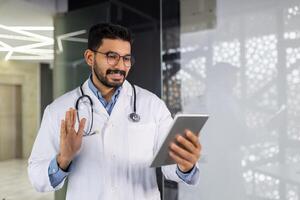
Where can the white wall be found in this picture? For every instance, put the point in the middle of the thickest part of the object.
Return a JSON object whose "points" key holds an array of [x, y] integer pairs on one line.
{"points": [[25, 75]]}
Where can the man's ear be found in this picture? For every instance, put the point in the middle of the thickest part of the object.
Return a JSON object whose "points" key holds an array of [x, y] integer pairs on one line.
{"points": [[89, 57]]}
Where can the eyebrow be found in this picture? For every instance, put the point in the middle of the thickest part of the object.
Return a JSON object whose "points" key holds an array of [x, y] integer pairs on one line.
{"points": [[118, 53]]}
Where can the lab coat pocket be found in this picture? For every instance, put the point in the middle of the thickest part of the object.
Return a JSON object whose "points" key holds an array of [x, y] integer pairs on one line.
{"points": [[141, 142]]}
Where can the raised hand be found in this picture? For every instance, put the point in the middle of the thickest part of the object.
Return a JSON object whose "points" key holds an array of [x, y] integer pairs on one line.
{"points": [[70, 139]]}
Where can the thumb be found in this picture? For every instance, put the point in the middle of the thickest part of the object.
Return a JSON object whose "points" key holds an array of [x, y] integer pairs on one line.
{"points": [[81, 127]]}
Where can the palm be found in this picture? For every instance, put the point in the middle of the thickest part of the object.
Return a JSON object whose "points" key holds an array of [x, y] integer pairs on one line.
{"points": [[70, 138], [71, 143]]}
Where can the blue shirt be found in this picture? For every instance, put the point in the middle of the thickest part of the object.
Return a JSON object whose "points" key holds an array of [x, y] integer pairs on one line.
{"points": [[107, 105], [57, 175]]}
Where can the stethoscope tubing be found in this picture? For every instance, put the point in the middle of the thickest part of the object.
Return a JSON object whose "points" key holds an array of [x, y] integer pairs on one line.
{"points": [[133, 116]]}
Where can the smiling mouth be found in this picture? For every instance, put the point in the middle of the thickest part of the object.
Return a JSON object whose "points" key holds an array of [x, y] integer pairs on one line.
{"points": [[116, 74]]}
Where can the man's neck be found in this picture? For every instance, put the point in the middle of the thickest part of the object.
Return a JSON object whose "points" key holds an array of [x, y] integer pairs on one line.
{"points": [[106, 92]]}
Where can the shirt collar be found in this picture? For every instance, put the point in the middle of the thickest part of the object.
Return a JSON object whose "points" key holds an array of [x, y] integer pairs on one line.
{"points": [[98, 94]]}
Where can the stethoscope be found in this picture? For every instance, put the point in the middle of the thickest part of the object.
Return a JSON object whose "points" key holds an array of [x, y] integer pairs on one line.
{"points": [[134, 117]]}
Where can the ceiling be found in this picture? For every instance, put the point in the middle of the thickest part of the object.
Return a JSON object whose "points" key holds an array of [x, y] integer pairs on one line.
{"points": [[26, 29]]}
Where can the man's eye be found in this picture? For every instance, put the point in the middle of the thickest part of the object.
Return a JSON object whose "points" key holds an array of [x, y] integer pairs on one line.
{"points": [[127, 58], [112, 55]]}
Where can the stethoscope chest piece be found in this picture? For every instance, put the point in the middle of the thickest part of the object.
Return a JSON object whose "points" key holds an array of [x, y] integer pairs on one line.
{"points": [[134, 117]]}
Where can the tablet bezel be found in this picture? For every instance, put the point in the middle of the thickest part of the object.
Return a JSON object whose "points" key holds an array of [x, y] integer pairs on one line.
{"points": [[162, 157]]}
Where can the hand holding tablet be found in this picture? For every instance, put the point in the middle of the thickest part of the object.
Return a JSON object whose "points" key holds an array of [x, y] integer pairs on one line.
{"points": [[181, 145]]}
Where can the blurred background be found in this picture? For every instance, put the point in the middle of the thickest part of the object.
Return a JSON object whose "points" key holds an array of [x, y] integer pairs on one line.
{"points": [[238, 61]]}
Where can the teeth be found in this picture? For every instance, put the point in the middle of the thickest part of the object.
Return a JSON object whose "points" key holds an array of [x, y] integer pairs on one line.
{"points": [[112, 72]]}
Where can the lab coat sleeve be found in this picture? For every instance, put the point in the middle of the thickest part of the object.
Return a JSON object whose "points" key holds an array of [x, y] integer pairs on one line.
{"points": [[45, 147], [169, 171]]}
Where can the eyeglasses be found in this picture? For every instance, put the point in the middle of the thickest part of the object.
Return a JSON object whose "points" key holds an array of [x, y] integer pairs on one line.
{"points": [[113, 58]]}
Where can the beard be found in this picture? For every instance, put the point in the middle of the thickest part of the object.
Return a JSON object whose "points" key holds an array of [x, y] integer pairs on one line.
{"points": [[104, 79]]}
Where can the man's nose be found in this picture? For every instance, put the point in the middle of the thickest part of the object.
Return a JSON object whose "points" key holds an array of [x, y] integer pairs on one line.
{"points": [[121, 65]]}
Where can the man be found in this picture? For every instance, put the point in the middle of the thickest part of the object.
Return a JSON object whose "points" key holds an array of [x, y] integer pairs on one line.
{"points": [[106, 155]]}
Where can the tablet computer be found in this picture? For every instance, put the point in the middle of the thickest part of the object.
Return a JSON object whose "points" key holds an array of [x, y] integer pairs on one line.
{"points": [[193, 122]]}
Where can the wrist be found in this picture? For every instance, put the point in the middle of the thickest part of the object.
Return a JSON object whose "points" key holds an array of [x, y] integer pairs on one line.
{"points": [[63, 162], [186, 171]]}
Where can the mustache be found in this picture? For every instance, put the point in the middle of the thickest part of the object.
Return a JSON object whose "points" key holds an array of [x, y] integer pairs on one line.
{"points": [[115, 71]]}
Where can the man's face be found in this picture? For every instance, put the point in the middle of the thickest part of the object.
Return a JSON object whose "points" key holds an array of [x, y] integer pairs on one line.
{"points": [[108, 70]]}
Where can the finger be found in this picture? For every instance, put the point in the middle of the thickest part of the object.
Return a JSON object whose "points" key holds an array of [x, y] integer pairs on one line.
{"points": [[73, 117], [81, 127], [192, 137], [66, 121], [180, 161], [187, 144], [184, 154], [69, 120], [62, 128], [199, 146]]}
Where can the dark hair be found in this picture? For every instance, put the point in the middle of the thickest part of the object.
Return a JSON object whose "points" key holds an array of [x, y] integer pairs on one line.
{"points": [[107, 30]]}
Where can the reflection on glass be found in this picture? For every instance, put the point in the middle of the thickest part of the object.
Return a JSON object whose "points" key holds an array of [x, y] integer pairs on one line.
{"points": [[245, 73]]}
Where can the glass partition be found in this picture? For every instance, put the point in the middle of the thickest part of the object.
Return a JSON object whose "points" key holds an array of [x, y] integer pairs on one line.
{"points": [[238, 62]]}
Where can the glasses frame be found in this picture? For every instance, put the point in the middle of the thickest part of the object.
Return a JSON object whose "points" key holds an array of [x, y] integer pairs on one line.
{"points": [[118, 59]]}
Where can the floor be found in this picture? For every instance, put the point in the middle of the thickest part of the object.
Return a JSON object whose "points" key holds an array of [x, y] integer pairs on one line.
{"points": [[14, 183]]}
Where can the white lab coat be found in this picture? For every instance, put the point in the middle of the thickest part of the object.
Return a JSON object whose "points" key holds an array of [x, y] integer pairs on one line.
{"points": [[113, 164]]}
